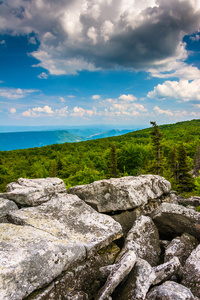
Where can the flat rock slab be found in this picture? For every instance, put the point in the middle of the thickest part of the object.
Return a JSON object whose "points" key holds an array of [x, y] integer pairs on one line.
{"points": [[170, 291], [122, 193], [173, 220], [191, 272], [33, 192], [5, 207], [143, 239], [67, 217], [31, 258]]}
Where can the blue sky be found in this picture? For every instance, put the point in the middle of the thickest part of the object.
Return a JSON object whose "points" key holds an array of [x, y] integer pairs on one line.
{"points": [[80, 62]]}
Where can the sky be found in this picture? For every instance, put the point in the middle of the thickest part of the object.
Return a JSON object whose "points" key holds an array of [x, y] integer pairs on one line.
{"points": [[84, 62]]}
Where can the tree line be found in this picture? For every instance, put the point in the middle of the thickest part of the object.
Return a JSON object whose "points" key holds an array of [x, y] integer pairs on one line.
{"points": [[171, 151]]}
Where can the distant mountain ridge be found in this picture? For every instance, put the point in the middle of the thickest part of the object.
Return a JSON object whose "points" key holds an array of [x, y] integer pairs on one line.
{"points": [[31, 139]]}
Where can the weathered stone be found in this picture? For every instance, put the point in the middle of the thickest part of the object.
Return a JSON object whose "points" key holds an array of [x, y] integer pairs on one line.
{"points": [[143, 239], [170, 290], [193, 201], [6, 206], [191, 272], [138, 282], [31, 258], [166, 271], [67, 217], [181, 247], [122, 193], [83, 278], [33, 192], [118, 273], [173, 220]]}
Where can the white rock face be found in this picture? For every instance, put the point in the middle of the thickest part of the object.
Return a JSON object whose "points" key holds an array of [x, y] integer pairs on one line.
{"points": [[173, 220], [33, 192], [143, 239], [122, 193], [170, 291], [69, 218], [5, 207], [31, 258], [191, 272]]}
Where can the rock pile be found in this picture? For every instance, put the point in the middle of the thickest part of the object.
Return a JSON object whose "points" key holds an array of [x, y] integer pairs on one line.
{"points": [[126, 238]]}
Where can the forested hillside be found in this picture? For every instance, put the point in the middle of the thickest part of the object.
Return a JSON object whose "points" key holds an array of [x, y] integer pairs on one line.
{"points": [[81, 163]]}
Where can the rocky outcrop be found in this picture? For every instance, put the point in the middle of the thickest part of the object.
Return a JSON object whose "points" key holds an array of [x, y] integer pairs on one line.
{"points": [[53, 245], [173, 220], [69, 218], [124, 193], [193, 201], [143, 239], [5, 207], [32, 192]]}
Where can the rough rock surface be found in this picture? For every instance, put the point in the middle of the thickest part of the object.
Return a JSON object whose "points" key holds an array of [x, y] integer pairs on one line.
{"points": [[165, 271], [193, 200], [143, 239], [138, 282], [122, 193], [191, 272], [67, 217], [181, 247], [173, 220], [32, 192], [119, 271], [170, 291], [5, 207], [31, 258]]}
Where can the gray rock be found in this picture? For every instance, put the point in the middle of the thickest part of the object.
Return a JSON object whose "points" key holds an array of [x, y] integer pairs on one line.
{"points": [[138, 283], [143, 239], [69, 218], [122, 193], [191, 272], [166, 271], [170, 290], [181, 247], [6, 206], [31, 258], [126, 219], [33, 192], [117, 274], [193, 201], [173, 220]]}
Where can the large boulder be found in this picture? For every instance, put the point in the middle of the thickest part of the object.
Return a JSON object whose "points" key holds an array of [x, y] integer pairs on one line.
{"points": [[33, 192], [31, 258], [173, 220], [170, 290], [191, 272], [193, 200], [166, 271], [124, 193], [69, 218], [181, 247], [143, 239], [5, 207]]}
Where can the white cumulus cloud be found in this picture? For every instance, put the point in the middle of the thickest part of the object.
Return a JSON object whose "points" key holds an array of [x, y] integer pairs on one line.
{"points": [[13, 110], [182, 91], [15, 93], [163, 112]]}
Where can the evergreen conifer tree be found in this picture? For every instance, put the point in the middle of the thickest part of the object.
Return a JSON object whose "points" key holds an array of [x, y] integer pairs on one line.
{"points": [[196, 168], [113, 171], [156, 136], [185, 180]]}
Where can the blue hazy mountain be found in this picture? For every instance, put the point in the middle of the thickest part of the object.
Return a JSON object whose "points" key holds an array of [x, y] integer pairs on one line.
{"points": [[31, 139]]}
